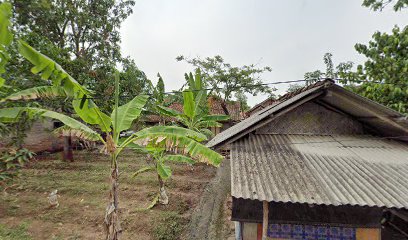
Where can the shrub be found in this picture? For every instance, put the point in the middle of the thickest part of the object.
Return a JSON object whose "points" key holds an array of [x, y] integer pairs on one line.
{"points": [[169, 226]]}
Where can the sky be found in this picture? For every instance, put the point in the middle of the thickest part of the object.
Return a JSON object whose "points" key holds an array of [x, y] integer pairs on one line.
{"points": [[289, 36]]}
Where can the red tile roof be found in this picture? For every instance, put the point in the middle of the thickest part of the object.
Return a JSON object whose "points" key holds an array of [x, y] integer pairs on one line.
{"points": [[215, 107]]}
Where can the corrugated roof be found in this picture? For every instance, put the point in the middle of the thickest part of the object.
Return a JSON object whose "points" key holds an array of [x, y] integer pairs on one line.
{"points": [[386, 121], [330, 170], [257, 117]]}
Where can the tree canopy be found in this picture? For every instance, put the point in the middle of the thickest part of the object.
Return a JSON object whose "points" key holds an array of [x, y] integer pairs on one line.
{"points": [[378, 5], [383, 77], [227, 81], [83, 36]]}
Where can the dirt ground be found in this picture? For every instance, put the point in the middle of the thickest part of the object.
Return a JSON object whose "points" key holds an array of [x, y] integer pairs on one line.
{"points": [[83, 192]]}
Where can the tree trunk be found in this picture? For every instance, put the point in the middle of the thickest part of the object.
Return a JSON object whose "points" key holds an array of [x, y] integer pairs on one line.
{"points": [[163, 198], [112, 222], [67, 154], [224, 107]]}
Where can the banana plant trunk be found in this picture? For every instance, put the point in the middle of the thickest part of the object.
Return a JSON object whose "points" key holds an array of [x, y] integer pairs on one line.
{"points": [[112, 221], [67, 154], [163, 198]]}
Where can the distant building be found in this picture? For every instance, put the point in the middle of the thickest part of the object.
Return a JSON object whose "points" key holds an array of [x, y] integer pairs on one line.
{"points": [[40, 137], [215, 108], [267, 102], [319, 163]]}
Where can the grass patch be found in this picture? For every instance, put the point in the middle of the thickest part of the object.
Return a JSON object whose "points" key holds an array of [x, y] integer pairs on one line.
{"points": [[17, 233], [168, 226], [83, 189]]}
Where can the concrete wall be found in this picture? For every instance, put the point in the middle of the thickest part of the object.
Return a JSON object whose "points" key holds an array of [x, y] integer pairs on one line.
{"points": [[40, 137]]}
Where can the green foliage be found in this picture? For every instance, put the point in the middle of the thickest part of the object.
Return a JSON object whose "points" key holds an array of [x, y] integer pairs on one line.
{"points": [[376, 5], [49, 70], [243, 101], [42, 92], [162, 144], [159, 90], [169, 226], [161, 137], [13, 114], [16, 233], [194, 116], [331, 72], [6, 37], [294, 87], [11, 161], [384, 75], [83, 36], [129, 112], [386, 63], [226, 80]]}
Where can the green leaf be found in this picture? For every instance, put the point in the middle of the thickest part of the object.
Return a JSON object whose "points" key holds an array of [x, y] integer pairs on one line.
{"points": [[6, 37], [172, 130], [168, 111], [2, 81], [36, 92], [207, 132], [178, 158], [91, 114], [178, 140], [12, 114], [215, 118], [78, 133], [142, 170], [48, 69], [188, 105], [163, 170], [206, 124], [129, 112], [199, 101]]}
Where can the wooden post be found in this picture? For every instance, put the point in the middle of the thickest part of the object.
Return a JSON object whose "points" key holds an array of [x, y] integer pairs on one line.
{"points": [[265, 220]]}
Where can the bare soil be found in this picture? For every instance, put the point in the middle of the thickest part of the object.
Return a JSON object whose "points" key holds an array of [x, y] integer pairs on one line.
{"points": [[83, 193]]}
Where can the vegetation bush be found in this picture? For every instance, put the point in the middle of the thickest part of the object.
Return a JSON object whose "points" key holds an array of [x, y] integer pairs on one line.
{"points": [[17, 233], [169, 226], [11, 161]]}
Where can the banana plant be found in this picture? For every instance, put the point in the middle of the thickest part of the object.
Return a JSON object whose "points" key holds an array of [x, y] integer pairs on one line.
{"points": [[159, 156], [174, 139], [194, 116]]}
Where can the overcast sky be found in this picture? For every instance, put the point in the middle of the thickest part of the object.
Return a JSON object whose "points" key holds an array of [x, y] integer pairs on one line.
{"points": [[290, 36]]}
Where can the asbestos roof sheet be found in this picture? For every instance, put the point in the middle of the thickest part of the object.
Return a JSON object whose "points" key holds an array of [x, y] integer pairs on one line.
{"points": [[329, 170], [384, 120], [257, 117]]}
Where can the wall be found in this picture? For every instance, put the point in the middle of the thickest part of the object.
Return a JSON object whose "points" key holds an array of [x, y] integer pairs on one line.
{"points": [[40, 137], [312, 118]]}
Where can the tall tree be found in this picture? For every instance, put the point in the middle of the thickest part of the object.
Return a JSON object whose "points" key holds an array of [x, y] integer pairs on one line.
{"points": [[383, 77], [226, 80], [384, 74], [83, 36], [331, 71], [378, 5]]}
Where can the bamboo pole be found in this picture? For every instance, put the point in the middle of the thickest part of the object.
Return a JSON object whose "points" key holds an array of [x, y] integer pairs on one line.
{"points": [[265, 220]]}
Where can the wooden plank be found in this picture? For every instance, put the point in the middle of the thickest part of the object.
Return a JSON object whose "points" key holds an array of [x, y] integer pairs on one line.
{"points": [[265, 220]]}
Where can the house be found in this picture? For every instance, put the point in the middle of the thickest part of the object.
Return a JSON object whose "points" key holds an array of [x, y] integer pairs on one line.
{"points": [[215, 107], [40, 137], [319, 163], [267, 102]]}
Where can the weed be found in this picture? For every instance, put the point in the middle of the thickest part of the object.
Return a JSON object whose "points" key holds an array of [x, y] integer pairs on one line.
{"points": [[169, 226], [17, 233]]}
